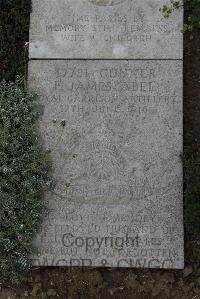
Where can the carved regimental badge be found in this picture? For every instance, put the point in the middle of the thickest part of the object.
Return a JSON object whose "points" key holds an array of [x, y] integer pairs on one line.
{"points": [[106, 2]]}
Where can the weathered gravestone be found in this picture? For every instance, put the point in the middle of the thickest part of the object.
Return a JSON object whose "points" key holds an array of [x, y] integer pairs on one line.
{"points": [[114, 132], [132, 29]]}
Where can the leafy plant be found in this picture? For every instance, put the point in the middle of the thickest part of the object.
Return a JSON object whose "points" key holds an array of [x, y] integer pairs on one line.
{"points": [[24, 167], [192, 12]]}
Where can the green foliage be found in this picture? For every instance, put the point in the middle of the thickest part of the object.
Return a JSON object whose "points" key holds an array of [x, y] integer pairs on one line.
{"points": [[192, 12], [14, 33], [192, 189], [166, 11], [23, 178]]}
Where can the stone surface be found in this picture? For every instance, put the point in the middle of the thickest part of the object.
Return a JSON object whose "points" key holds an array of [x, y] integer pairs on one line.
{"points": [[114, 132], [130, 29]]}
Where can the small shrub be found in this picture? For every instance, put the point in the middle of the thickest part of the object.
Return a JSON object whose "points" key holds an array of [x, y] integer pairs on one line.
{"points": [[192, 12], [23, 177]]}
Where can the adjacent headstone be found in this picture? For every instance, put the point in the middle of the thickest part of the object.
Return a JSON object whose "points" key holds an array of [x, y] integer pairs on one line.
{"points": [[113, 129], [131, 29]]}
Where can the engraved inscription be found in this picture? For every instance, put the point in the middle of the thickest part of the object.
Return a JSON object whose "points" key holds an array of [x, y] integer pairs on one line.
{"points": [[114, 133], [107, 110], [107, 29], [133, 238], [106, 2]]}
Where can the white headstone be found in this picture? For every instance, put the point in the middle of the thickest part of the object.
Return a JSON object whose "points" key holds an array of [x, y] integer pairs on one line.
{"points": [[114, 132], [113, 129]]}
